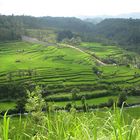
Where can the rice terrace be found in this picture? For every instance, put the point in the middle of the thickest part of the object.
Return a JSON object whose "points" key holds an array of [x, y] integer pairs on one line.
{"points": [[63, 78]]}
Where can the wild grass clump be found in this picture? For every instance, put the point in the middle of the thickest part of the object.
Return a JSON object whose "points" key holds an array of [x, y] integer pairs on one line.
{"points": [[5, 127], [98, 125]]}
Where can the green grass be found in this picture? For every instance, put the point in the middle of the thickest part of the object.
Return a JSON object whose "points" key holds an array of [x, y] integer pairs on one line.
{"points": [[133, 112], [101, 50], [97, 101], [80, 93], [103, 125], [5, 106], [45, 61], [63, 68], [133, 99], [104, 51], [55, 65]]}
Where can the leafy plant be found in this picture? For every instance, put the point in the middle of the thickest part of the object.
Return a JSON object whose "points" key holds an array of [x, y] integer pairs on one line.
{"points": [[5, 127]]}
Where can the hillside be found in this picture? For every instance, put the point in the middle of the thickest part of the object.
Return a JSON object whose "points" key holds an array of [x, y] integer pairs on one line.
{"points": [[92, 68], [48, 57], [53, 85], [122, 32], [15, 26]]}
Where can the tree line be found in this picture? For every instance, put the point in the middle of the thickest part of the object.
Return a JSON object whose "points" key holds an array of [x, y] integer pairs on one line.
{"points": [[123, 32]]}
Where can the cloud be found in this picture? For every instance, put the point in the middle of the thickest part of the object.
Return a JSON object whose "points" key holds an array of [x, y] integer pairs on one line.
{"points": [[68, 7]]}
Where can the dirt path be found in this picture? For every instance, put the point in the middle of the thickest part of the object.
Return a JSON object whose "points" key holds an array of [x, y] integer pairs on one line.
{"points": [[97, 60]]}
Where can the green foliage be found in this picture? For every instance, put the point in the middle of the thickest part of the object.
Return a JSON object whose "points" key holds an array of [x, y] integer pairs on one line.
{"points": [[51, 66], [13, 27], [64, 34], [96, 70], [5, 128], [124, 32], [121, 99], [84, 104], [10, 28], [108, 124], [20, 104], [35, 105], [5, 105], [62, 68], [68, 106], [110, 102], [74, 92]]}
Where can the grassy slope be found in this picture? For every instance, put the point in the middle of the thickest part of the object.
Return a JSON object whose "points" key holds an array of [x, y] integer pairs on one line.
{"points": [[67, 67], [51, 63], [97, 101], [57, 65], [103, 51], [7, 105]]}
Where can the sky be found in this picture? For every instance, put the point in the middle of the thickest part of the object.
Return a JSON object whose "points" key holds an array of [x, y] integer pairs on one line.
{"points": [[68, 7]]}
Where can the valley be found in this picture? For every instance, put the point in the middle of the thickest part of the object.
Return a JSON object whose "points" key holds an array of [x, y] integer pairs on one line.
{"points": [[63, 67], [63, 78]]}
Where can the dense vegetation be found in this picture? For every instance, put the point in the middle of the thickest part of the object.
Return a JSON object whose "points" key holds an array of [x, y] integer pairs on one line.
{"points": [[103, 124], [13, 27], [10, 28], [123, 32], [64, 87], [65, 73]]}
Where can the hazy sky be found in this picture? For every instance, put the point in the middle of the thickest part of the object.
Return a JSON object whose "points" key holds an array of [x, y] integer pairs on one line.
{"points": [[68, 7]]}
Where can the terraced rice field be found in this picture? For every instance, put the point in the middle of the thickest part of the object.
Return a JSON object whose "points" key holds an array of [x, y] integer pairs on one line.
{"points": [[62, 68]]}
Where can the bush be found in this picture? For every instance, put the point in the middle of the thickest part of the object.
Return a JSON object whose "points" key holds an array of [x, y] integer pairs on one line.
{"points": [[121, 99], [68, 107], [35, 105], [110, 102], [20, 104]]}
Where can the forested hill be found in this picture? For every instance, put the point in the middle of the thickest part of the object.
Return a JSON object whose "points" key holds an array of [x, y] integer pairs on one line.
{"points": [[123, 32], [73, 24], [11, 27]]}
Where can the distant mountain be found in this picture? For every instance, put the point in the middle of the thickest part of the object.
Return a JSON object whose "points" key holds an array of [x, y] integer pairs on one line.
{"points": [[98, 19], [94, 20], [129, 15], [135, 15]]}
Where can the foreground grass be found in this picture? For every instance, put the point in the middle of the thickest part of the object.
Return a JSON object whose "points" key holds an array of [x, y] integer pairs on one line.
{"points": [[98, 125]]}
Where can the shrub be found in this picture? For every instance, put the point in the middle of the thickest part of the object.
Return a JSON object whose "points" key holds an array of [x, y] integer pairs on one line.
{"points": [[20, 104], [121, 99], [110, 102], [68, 107], [35, 105]]}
